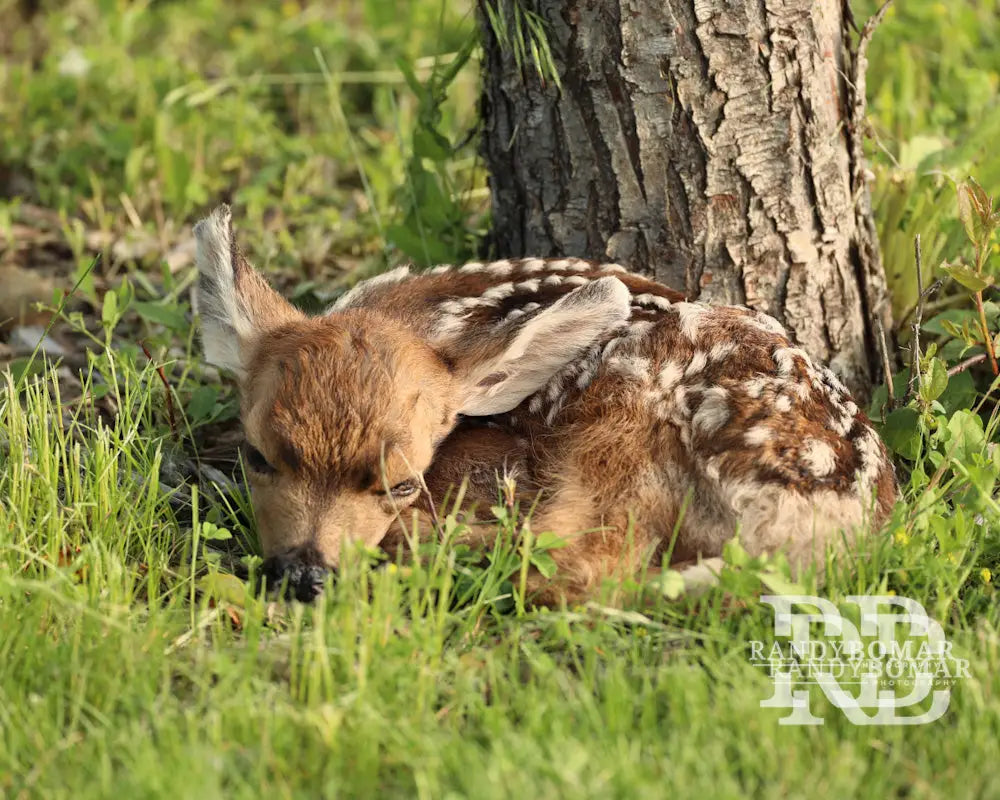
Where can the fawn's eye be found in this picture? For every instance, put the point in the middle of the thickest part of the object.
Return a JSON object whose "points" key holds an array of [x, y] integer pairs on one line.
{"points": [[255, 460], [404, 489]]}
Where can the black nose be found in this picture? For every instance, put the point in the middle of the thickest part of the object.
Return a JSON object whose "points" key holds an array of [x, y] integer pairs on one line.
{"points": [[303, 581]]}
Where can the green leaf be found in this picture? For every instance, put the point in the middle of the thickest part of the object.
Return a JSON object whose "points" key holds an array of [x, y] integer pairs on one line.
{"points": [[109, 311], [547, 540], [946, 321], [733, 553], [965, 211], [901, 432], [975, 210], [428, 143], [224, 586], [202, 403], [967, 437], [544, 563], [779, 583], [967, 276], [170, 316], [960, 393], [671, 584], [935, 381], [213, 532]]}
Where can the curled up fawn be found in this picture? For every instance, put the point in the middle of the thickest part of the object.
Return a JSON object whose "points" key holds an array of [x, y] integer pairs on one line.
{"points": [[644, 425]]}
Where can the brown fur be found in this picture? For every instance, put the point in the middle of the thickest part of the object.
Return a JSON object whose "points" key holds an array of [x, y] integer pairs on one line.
{"points": [[676, 417]]}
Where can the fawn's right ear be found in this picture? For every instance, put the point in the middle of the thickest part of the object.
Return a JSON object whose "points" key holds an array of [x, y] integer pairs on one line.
{"points": [[536, 351], [234, 302]]}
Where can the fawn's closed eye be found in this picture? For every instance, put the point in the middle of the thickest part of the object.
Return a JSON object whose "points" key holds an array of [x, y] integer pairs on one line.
{"points": [[254, 459], [404, 488]]}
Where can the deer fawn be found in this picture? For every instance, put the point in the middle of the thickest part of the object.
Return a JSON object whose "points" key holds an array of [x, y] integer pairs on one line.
{"points": [[645, 422]]}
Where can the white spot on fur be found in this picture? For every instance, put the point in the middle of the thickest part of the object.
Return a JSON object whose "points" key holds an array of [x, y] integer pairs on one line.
{"points": [[447, 324], [698, 362], [820, 457], [755, 387], [552, 280], [758, 435], [472, 266], [721, 351], [639, 328], [670, 375], [648, 299], [713, 412], [783, 404], [588, 367], [680, 399], [500, 268], [633, 366], [499, 292], [613, 268], [528, 286], [690, 315], [712, 469], [870, 450], [533, 265], [569, 265], [785, 358], [364, 289], [801, 390], [453, 307], [441, 269], [841, 425], [833, 380], [576, 280]]}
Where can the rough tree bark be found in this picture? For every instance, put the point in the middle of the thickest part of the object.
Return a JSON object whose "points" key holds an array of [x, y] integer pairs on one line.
{"points": [[715, 144]]}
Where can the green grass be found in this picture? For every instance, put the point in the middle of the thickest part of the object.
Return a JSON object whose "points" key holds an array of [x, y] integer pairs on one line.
{"points": [[134, 662]]}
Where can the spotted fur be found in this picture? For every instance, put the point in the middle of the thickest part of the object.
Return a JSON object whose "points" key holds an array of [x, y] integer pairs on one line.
{"points": [[657, 415]]}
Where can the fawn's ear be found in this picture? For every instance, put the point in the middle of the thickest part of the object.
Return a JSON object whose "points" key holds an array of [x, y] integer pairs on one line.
{"points": [[544, 345], [234, 302]]}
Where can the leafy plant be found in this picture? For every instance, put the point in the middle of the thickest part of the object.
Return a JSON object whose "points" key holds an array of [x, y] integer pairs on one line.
{"points": [[975, 210], [434, 225]]}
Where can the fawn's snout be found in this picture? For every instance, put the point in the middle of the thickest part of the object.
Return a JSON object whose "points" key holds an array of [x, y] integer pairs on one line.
{"points": [[300, 571]]}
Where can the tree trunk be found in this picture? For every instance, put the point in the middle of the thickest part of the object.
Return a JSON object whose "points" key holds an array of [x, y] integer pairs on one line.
{"points": [[714, 144]]}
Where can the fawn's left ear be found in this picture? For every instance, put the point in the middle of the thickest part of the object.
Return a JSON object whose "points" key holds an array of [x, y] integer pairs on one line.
{"points": [[234, 302]]}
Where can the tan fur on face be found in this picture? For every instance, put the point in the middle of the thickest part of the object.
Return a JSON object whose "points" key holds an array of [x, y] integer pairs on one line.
{"points": [[343, 409]]}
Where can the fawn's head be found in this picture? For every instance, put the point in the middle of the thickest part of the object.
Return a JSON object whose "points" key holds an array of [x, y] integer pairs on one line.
{"points": [[342, 412]]}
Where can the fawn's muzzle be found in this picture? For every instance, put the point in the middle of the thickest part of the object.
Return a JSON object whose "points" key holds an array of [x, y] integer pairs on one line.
{"points": [[302, 578]]}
